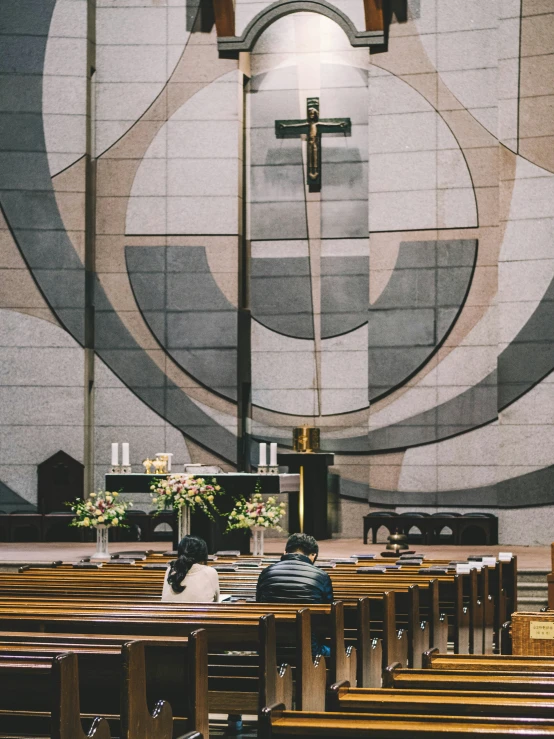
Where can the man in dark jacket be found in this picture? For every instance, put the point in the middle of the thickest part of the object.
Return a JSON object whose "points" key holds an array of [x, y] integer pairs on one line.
{"points": [[296, 579]]}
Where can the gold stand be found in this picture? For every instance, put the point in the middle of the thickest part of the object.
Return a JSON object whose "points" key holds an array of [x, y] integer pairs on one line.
{"points": [[301, 500], [305, 439]]}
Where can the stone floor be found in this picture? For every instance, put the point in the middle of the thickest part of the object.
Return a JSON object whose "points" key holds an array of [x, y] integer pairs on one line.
{"points": [[528, 557]]}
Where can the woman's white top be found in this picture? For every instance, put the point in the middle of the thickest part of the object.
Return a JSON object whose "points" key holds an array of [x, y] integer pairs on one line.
{"points": [[201, 586]]}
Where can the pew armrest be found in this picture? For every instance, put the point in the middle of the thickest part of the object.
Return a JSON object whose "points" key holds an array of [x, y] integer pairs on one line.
{"points": [[334, 694], [388, 674], [428, 657], [266, 715]]}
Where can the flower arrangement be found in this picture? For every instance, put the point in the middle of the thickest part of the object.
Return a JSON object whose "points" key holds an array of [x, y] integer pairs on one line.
{"points": [[100, 509], [177, 491], [256, 512]]}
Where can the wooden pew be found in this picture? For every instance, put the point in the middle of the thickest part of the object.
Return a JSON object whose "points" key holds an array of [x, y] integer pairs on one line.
{"points": [[41, 695], [397, 677], [114, 672], [275, 721], [348, 587], [180, 620], [440, 702], [349, 591], [434, 660]]}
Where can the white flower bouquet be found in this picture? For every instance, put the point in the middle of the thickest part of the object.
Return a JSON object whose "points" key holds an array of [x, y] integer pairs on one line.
{"points": [[177, 491], [256, 512], [100, 509]]}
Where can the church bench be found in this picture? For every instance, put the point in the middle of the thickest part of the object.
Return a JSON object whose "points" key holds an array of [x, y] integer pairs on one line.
{"points": [[410, 615], [227, 692], [40, 696], [450, 598], [433, 659], [429, 605], [370, 617], [394, 676], [275, 721], [345, 699], [118, 678]]}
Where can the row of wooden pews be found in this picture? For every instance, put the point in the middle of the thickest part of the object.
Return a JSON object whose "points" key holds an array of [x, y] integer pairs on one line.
{"points": [[51, 684], [391, 616], [454, 696]]}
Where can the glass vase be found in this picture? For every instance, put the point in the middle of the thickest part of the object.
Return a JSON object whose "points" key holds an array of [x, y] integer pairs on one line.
{"points": [[258, 541], [183, 522], [102, 552]]}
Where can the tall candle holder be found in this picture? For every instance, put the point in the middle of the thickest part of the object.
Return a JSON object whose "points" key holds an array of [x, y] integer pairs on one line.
{"points": [[126, 469], [268, 469], [115, 469]]}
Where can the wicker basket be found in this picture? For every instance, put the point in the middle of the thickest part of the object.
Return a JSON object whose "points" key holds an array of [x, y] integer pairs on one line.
{"points": [[527, 630]]}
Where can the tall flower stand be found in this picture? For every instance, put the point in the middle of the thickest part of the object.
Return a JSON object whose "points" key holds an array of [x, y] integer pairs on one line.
{"points": [[257, 541], [183, 521], [102, 553]]}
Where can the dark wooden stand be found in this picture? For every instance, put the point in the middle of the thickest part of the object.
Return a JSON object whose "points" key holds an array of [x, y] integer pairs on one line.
{"points": [[315, 468]]}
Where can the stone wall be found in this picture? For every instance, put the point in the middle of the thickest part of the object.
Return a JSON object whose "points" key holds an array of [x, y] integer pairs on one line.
{"points": [[161, 255]]}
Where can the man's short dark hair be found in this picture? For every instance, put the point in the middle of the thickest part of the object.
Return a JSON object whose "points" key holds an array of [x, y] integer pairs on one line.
{"points": [[306, 544]]}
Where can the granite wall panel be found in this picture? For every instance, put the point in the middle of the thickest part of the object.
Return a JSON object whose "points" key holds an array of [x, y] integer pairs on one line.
{"points": [[405, 308]]}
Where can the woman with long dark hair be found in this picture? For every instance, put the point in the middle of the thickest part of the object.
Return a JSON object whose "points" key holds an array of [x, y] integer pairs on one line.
{"points": [[188, 578]]}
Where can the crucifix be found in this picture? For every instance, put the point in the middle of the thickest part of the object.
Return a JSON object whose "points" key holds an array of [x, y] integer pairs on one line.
{"points": [[314, 127]]}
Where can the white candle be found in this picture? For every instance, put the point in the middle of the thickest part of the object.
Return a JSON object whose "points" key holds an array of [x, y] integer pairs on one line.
{"points": [[263, 455], [273, 454], [115, 455], [125, 454]]}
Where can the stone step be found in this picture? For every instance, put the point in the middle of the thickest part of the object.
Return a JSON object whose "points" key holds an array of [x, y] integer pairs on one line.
{"points": [[532, 592], [524, 575], [530, 603]]}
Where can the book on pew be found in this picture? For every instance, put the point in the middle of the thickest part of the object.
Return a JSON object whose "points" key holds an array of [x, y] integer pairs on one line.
{"points": [[225, 568], [415, 562], [365, 556], [121, 561], [155, 566], [228, 553], [433, 571], [346, 561], [88, 565], [373, 570]]}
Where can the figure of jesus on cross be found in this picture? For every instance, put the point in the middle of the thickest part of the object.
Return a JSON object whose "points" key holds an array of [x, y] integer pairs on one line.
{"points": [[314, 127]]}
